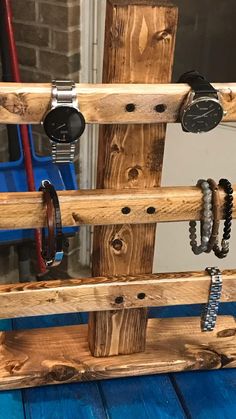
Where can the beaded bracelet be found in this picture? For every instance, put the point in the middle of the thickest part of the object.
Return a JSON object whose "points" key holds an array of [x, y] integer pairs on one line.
{"points": [[228, 209], [206, 225], [216, 214]]}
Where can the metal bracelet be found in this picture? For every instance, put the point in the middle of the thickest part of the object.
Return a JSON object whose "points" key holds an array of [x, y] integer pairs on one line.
{"points": [[209, 314], [64, 93], [63, 153]]}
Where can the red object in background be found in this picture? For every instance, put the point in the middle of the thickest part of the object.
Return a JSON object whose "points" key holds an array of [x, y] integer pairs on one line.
{"points": [[23, 128]]}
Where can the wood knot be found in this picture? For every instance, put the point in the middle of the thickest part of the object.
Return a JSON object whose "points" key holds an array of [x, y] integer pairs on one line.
{"points": [[226, 333], [14, 103], [117, 245], [133, 174], [201, 358], [115, 148], [51, 300], [61, 373], [164, 35]]}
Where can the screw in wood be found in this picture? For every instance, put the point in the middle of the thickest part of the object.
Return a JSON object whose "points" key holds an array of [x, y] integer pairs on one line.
{"points": [[125, 210], [141, 296], [160, 108], [151, 210], [130, 107], [119, 300]]}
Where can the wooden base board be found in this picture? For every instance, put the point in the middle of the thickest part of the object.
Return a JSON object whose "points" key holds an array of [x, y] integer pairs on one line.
{"points": [[56, 355]]}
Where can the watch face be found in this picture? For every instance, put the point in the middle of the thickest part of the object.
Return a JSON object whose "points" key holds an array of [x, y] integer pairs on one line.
{"points": [[64, 124], [202, 115]]}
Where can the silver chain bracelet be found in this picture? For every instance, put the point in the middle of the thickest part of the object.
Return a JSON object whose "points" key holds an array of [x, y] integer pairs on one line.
{"points": [[209, 314]]}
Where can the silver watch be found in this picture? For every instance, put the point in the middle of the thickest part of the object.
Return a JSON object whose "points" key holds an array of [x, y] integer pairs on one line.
{"points": [[64, 123]]}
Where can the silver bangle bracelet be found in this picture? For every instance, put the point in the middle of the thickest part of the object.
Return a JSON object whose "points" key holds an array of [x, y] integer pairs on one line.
{"points": [[206, 222]]}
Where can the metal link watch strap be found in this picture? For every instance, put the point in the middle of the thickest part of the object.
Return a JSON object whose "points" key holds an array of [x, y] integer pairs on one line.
{"points": [[63, 93], [209, 315], [63, 153]]}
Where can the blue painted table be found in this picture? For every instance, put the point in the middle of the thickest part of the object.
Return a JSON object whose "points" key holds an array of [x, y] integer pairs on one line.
{"points": [[200, 395]]}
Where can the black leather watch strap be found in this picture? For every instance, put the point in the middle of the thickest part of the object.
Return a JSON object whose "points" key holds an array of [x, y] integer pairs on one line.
{"points": [[198, 83]]}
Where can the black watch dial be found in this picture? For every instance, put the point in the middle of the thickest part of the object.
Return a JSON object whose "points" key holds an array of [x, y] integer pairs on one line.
{"points": [[64, 124], [202, 115]]}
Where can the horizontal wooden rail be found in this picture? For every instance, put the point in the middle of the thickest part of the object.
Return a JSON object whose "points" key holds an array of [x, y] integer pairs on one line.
{"points": [[106, 103], [103, 207], [104, 293], [57, 355]]}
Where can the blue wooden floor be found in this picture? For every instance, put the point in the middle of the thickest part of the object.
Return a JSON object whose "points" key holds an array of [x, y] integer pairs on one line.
{"points": [[200, 395]]}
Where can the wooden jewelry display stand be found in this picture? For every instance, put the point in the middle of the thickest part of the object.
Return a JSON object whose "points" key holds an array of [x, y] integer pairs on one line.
{"points": [[139, 50]]}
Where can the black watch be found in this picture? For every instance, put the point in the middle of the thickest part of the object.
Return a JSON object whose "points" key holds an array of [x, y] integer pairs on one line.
{"points": [[202, 111]]}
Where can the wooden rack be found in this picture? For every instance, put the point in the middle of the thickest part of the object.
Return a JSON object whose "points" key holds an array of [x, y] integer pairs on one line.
{"points": [[122, 287]]}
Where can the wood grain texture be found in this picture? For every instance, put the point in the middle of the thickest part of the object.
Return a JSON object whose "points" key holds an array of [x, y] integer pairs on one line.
{"points": [[11, 403], [77, 401], [139, 48], [63, 354], [141, 3], [95, 294], [25, 103], [149, 397], [104, 207], [206, 386]]}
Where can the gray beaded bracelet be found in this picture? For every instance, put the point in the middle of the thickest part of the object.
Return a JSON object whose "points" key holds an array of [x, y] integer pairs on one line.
{"points": [[206, 222]]}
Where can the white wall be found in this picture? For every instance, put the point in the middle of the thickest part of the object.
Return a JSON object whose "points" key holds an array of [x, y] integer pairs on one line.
{"points": [[189, 157]]}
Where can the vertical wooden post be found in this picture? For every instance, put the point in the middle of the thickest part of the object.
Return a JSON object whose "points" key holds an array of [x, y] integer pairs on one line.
{"points": [[139, 48]]}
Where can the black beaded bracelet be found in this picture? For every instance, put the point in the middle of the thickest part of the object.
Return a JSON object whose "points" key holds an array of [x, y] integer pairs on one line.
{"points": [[228, 209]]}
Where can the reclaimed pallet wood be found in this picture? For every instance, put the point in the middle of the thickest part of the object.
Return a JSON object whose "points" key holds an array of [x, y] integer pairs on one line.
{"points": [[130, 156], [173, 345], [76, 295], [77, 400], [102, 207], [107, 103], [11, 402]]}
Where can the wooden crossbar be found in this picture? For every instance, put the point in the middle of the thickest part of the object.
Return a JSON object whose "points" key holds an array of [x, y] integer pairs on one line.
{"points": [[104, 207], [110, 293], [22, 103]]}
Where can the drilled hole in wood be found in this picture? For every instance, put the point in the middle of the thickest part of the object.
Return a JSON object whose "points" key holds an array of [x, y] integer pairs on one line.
{"points": [[130, 107], [151, 210], [160, 108], [141, 296], [125, 210], [119, 300]]}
